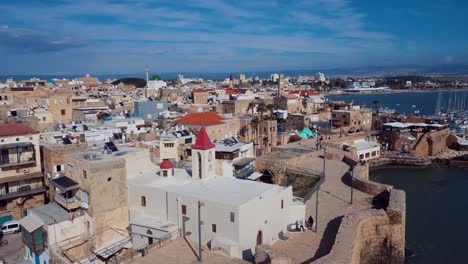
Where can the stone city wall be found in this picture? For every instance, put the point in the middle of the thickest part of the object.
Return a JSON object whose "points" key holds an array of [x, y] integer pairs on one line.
{"points": [[371, 236], [399, 160]]}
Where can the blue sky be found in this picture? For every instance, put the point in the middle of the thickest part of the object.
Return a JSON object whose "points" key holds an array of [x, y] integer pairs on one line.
{"points": [[123, 36]]}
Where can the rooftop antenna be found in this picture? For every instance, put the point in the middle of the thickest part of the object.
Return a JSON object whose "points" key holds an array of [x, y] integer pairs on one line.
{"points": [[147, 80]]}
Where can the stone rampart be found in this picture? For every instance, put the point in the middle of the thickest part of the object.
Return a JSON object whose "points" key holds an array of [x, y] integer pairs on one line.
{"points": [[401, 161], [371, 236]]}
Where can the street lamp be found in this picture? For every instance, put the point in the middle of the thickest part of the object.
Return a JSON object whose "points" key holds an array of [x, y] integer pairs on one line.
{"points": [[200, 205]]}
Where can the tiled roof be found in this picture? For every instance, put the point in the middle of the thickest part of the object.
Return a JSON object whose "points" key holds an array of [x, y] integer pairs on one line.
{"points": [[203, 141], [231, 91], [16, 129], [201, 119], [289, 96]]}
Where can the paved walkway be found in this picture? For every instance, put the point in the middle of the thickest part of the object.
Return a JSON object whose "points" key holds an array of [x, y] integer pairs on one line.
{"points": [[15, 249], [334, 202], [183, 252]]}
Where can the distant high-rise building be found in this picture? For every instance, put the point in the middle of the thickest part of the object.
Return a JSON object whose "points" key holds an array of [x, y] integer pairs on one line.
{"points": [[281, 84], [320, 77], [274, 77], [242, 78]]}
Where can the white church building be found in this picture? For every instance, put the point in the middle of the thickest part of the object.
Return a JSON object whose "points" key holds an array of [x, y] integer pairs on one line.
{"points": [[236, 215]]}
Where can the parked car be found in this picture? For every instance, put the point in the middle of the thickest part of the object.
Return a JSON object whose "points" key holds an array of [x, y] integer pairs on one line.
{"points": [[10, 227]]}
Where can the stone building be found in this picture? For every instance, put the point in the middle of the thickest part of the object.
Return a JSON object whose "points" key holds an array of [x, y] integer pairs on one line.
{"points": [[21, 179], [53, 164], [417, 139], [351, 121], [93, 184], [200, 96], [235, 107], [173, 96], [5, 97], [290, 102], [265, 138], [57, 102]]}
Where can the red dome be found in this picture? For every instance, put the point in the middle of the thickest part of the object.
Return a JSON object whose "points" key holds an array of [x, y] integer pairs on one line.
{"points": [[166, 165]]}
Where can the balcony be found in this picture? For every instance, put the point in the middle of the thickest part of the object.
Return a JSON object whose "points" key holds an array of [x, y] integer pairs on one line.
{"points": [[68, 194], [68, 203], [18, 165], [17, 156], [22, 191]]}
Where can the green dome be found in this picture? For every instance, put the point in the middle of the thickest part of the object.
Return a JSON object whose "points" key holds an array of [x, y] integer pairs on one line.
{"points": [[155, 78]]}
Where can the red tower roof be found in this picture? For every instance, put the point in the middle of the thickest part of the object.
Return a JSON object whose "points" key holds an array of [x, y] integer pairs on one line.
{"points": [[166, 165], [203, 141]]}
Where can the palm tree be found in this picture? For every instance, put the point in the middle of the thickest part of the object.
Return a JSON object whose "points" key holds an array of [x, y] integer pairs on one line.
{"points": [[262, 108], [270, 107], [254, 124], [252, 106]]}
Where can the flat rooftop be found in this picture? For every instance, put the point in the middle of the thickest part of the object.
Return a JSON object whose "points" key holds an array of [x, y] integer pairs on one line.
{"points": [[221, 190], [364, 144], [50, 213], [96, 156]]}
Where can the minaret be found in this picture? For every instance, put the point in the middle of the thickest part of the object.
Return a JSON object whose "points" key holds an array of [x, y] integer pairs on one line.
{"points": [[203, 157], [147, 80]]}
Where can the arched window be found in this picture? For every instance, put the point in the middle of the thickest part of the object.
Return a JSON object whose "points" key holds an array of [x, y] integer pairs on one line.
{"points": [[199, 165]]}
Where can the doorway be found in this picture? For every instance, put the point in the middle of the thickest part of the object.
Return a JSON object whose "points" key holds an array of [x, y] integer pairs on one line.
{"points": [[150, 239]]}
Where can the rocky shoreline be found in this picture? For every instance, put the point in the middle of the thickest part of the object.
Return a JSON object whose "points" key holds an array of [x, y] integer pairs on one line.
{"points": [[450, 158]]}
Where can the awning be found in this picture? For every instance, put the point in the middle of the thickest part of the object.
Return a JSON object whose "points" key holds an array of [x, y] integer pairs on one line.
{"points": [[64, 183], [255, 176]]}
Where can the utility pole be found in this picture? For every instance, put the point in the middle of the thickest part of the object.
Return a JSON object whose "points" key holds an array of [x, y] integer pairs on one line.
{"points": [[352, 186], [200, 204]]}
